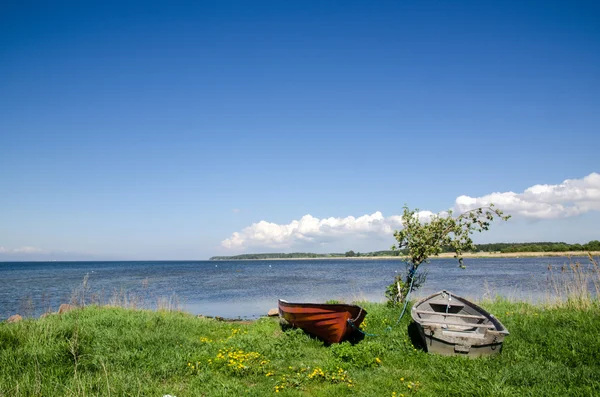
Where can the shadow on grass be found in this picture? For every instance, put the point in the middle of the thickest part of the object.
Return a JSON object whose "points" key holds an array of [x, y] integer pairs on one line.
{"points": [[415, 337]]}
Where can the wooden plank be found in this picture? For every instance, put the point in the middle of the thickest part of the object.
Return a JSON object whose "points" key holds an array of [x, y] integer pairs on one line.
{"points": [[462, 334], [451, 314], [467, 325], [439, 301]]}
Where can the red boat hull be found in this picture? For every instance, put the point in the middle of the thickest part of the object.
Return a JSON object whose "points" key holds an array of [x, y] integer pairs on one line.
{"points": [[328, 322]]}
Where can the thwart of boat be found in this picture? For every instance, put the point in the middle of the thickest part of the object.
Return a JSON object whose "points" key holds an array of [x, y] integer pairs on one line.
{"points": [[331, 323], [451, 325]]}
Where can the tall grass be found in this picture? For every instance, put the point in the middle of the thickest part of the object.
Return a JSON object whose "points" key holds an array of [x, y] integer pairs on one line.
{"points": [[574, 284], [83, 295]]}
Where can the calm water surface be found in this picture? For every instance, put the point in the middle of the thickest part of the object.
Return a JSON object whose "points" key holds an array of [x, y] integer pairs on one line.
{"points": [[248, 289]]}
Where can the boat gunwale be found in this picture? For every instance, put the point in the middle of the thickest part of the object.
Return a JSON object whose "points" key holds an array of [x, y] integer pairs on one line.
{"points": [[325, 305]]}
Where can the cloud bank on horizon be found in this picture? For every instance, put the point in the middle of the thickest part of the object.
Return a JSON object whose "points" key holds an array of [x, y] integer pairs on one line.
{"points": [[21, 250], [569, 198]]}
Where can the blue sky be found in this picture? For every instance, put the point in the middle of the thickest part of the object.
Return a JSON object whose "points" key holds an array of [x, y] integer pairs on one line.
{"points": [[147, 130]]}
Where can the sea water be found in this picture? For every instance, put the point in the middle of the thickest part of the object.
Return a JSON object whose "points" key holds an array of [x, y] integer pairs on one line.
{"points": [[247, 289]]}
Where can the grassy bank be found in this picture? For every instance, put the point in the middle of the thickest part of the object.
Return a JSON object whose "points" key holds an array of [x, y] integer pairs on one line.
{"points": [[108, 351]]}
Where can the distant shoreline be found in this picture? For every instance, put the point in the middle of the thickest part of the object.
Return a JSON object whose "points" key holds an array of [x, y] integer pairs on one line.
{"points": [[520, 254], [443, 255]]}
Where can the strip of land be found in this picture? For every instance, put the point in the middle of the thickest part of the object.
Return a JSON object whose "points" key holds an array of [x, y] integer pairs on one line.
{"points": [[520, 254], [494, 250], [441, 256]]}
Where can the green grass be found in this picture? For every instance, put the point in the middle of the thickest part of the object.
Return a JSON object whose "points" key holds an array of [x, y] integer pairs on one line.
{"points": [[102, 351]]}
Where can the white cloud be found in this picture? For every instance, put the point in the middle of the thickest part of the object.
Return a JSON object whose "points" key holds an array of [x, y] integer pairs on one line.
{"points": [[570, 198], [314, 230], [29, 253], [21, 250]]}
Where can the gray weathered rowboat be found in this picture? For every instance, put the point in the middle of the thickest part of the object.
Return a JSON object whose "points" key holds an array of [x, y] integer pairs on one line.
{"points": [[451, 325]]}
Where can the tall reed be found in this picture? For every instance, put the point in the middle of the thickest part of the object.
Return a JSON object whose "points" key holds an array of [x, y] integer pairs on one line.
{"points": [[83, 296], [574, 284]]}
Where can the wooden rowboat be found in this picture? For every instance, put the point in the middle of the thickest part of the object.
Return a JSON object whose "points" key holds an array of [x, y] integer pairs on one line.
{"points": [[331, 323], [451, 325]]}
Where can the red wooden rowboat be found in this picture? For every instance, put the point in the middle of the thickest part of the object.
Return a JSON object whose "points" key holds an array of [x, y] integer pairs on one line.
{"points": [[331, 323]]}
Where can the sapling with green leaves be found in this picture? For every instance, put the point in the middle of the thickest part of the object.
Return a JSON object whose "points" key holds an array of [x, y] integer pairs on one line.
{"points": [[421, 240]]}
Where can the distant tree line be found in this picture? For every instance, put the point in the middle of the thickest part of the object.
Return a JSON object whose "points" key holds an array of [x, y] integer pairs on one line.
{"points": [[593, 245], [351, 253], [293, 255], [545, 246]]}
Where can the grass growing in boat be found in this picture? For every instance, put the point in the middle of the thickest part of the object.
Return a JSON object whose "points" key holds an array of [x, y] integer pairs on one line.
{"points": [[104, 351]]}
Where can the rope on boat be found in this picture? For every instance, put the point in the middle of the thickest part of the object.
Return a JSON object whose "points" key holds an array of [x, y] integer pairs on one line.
{"points": [[351, 323], [389, 328], [448, 304], [412, 278], [358, 329]]}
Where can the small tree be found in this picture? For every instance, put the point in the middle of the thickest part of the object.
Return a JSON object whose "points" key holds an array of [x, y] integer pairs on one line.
{"points": [[420, 240]]}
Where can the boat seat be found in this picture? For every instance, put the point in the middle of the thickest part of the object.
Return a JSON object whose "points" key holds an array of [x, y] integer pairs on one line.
{"points": [[450, 314], [445, 307], [444, 302], [469, 325], [470, 334]]}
